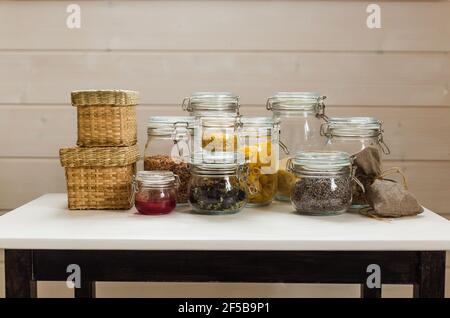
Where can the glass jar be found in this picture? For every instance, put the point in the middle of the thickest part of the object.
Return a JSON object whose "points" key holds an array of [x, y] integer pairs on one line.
{"points": [[216, 120], [168, 147], [217, 184], [324, 182], [260, 146], [155, 192], [300, 115], [353, 134]]}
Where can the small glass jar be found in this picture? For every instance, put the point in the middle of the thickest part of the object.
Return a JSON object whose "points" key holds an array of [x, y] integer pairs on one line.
{"points": [[216, 120], [353, 134], [260, 146], [324, 182], [168, 147], [217, 184], [155, 192], [300, 115]]}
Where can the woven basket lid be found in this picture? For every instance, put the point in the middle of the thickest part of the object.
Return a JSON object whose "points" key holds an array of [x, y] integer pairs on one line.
{"points": [[98, 156], [105, 97]]}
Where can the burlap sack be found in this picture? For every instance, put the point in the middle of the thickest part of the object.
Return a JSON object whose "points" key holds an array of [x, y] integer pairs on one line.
{"points": [[386, 198], [389, 199]]}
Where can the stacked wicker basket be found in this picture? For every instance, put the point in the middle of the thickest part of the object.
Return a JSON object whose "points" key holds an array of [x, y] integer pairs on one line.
{"points": [[100, 169]]}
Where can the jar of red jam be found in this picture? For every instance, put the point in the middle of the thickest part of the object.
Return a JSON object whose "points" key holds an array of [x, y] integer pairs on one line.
{"points": [[156, 192]]}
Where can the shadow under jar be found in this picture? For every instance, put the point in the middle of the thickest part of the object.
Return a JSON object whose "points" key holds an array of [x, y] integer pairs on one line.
{"points": [[300, 116], [217, 186], [351, 135], [324, 182], [168, 147], [156, 192]]}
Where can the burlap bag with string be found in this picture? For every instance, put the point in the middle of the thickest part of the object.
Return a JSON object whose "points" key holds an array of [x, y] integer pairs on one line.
{"points": [[385, 197]]}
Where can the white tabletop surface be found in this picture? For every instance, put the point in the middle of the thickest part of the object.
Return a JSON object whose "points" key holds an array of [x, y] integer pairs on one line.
{"points": [[46, 223]]}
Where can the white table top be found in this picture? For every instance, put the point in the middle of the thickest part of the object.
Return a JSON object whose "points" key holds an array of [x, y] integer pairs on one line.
{"points": [[46, 223]]}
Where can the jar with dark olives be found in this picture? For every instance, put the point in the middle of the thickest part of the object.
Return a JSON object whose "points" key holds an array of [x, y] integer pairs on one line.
{"points": [[217, 183]]}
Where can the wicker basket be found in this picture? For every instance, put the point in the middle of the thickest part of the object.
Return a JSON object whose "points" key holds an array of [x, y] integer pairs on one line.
{"points": [[106, 117], [99, 178]]}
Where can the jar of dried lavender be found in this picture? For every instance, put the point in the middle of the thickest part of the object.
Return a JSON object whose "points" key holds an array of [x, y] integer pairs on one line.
{"points": [[217, 184], [324, 180]]}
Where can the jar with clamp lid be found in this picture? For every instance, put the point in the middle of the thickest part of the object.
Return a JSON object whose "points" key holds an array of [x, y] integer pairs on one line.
{"points": [[216, 120], [300, 116], [169, 146], [217, 184], [324, 182], [260, 146], [155, 192], [353, 134]]}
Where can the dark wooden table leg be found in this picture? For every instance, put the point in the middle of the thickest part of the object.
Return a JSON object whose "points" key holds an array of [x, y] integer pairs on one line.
{"points": [[367, 292], [19, 274], [86, 290], [431, 275]]}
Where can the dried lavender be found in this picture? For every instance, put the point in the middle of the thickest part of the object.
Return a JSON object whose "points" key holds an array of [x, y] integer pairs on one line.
{"points": [[322, 195]]}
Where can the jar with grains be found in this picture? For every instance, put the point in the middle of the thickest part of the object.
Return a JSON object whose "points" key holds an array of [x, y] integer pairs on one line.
{"points": [[324, 184], [217, 184], [300, 116], [155, 192], [216, 120], [168, 147], [260, 144], [353, 134]]}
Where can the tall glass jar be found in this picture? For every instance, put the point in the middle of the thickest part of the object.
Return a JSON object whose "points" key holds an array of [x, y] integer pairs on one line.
{"points": [[353, 134], [168, 147], [216, 120], [324, 182], [299, 114], [260, 146], [217, 185], [155, 192]]}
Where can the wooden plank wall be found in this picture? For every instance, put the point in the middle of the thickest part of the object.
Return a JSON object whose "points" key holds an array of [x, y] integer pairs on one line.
{"points": [[168, 49]]}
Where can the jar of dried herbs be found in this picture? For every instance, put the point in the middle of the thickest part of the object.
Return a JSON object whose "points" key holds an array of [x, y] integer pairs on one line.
{"points": [[217, 184], [260, 143], [324, 184], [300, 115], [353, 134], [216, 120], [168, 147]]}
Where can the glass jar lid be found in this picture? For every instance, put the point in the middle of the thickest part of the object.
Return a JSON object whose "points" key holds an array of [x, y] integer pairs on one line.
{"points": [[258, 122], [165, 125], [296, 101], [211, 102], [157, 178], [319, 161], [217, 161], [352, 126], [156, 122]]}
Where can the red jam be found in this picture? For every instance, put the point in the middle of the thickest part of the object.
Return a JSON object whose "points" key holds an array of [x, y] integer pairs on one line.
{"points": [[155, 207], [155, 201]]}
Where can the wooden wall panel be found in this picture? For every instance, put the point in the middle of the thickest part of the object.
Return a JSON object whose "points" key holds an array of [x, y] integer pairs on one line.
{"points": [[390, 79], [226, 25]]}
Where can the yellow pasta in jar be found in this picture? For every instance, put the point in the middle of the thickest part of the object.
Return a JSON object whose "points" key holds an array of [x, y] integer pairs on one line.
{"points": [[261, 177]]}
